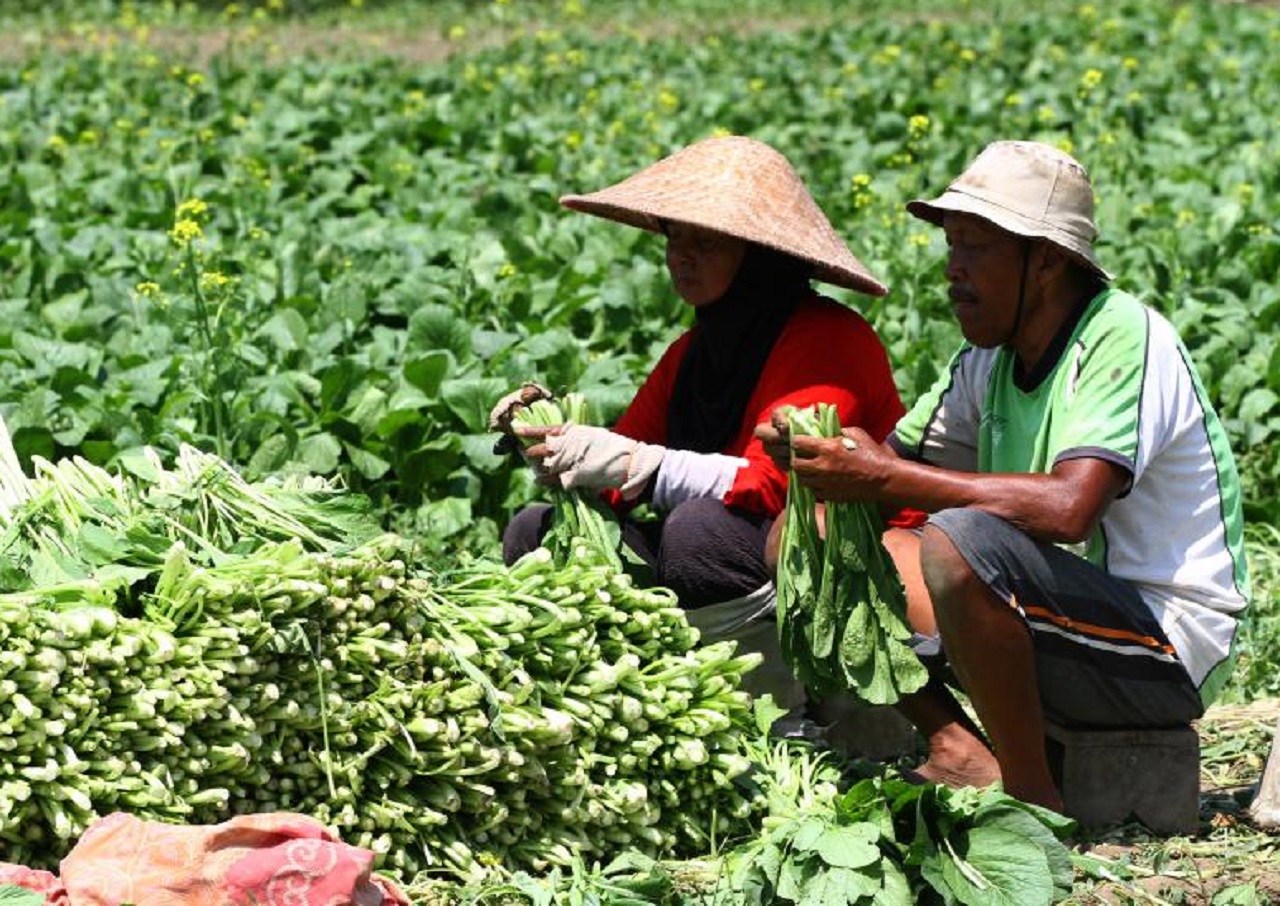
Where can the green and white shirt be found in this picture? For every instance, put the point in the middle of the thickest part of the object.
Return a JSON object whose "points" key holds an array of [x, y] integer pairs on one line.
{"points": [[1123, 389]]}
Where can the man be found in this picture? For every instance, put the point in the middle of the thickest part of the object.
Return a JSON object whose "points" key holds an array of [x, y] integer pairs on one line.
{"points": [[1084, 558]]}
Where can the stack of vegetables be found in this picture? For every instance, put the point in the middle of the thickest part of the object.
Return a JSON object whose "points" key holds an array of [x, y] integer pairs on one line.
{"points": [[183, 645]]}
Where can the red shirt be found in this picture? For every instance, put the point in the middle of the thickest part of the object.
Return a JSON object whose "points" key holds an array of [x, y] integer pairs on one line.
{"points": [[827, 353]]}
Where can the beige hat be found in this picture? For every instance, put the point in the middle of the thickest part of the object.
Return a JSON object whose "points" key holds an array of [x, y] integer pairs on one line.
{"points": [[1028, 188], [738, 186]]}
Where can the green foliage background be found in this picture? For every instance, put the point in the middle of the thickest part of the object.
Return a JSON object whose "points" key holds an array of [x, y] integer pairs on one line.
{"points": [[381, 252]]}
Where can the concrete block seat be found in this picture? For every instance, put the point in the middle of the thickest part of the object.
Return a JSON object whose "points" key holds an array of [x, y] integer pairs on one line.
{"points": [[1111, 776]]}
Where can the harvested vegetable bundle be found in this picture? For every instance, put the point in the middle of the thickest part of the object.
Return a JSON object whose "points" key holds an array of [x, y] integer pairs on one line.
{"points": [[842, 612], [576, 517], [164, 651]]}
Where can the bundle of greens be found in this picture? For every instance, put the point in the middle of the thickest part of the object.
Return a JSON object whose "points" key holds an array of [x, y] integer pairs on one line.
{"points": [[842, 612], [886, 841], [577, 518], [186, 645]]}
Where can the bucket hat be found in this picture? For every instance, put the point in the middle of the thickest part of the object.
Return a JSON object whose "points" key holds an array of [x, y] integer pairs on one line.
{"points": [[737, 186], [1029, 189]]}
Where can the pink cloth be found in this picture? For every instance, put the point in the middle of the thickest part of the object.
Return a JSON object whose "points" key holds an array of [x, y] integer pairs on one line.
{"points": [[33, 879], [277, 859]]}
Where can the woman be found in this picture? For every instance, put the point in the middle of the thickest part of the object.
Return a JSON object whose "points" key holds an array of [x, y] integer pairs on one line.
{"points": [[744, 238]]}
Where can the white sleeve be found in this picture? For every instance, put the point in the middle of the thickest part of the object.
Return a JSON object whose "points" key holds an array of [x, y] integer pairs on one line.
{"points": [[685, 475]]}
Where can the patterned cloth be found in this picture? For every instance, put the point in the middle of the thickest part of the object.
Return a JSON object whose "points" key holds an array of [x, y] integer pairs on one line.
{"points": [[277, 859]]}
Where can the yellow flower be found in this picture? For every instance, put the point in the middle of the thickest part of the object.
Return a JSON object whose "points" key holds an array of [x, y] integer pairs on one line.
{"points": [[1186, 217], [56, 143], [968, 55], [1065, 145], [1087, 11], [572, 8], [1090, 80], [1013, 100], [1246, 192], [214, 280], [756, 85], [1130, 63], [920, 240], [918, 125], [148, 290], [195, 80], [573, 141], [457, 32], [668, 99], [507, 270], [192, 209], [1046, 114], [185, 232]]}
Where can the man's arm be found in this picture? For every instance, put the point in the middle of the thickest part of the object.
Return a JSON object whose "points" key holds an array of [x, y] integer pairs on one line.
{"points": [[1062, 506]]}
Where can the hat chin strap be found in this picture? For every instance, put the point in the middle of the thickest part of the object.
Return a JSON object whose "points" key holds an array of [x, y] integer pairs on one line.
{"points": [[1022, 291]]}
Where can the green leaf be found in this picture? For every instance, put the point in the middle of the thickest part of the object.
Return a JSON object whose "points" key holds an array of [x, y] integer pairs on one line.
{"points": [[1237, 895], [852, 846], [808, 833], [368, 464], [470, 399], [992, 867], [270, 455], [426, 372], [287, 330], [443, 518], [13, 895], [320, 453], [436, 327]]}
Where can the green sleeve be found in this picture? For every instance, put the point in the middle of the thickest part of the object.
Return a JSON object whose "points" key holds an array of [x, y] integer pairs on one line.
{"points": [[1100, 399]]}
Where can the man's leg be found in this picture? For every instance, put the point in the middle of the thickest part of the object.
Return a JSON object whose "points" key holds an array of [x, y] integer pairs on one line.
{"points": [[958, 755], [988, 646]]}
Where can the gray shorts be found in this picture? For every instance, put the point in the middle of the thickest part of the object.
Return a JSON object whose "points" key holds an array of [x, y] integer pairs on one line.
{"points": [[1102, 659]]}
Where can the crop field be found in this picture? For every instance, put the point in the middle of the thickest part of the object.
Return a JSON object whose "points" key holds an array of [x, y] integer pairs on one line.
{"points": [[322, 239]]}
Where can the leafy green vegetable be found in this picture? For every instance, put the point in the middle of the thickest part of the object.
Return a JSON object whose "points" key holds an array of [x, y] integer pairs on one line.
{"points": [[842, 612]]}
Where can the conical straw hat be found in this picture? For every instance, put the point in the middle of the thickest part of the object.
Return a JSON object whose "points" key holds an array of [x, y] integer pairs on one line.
{"points": [[738, 186]]}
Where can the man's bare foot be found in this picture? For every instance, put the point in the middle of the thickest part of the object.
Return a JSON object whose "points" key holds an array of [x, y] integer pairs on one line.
{"points": [[978, 768]]}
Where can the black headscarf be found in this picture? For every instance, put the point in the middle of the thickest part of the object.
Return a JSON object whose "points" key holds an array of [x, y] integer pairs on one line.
{"points": [[732, 339]]}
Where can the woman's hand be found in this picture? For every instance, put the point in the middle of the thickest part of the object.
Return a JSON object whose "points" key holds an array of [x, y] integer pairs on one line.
{"points": [[578, 456]]}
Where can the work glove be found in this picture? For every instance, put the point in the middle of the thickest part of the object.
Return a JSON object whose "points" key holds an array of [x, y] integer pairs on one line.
{"points": [[582, 456]]}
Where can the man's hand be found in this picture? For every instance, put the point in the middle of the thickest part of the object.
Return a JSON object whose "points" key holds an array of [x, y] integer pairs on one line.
{"points": [[776, 438], [851, 467]]}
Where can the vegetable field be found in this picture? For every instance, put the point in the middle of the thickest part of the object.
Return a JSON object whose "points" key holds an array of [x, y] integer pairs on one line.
{"points": [[320, 264]]}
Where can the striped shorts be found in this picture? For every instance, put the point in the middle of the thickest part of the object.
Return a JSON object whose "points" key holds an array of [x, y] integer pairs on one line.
{"points": [[1102, 659]]}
